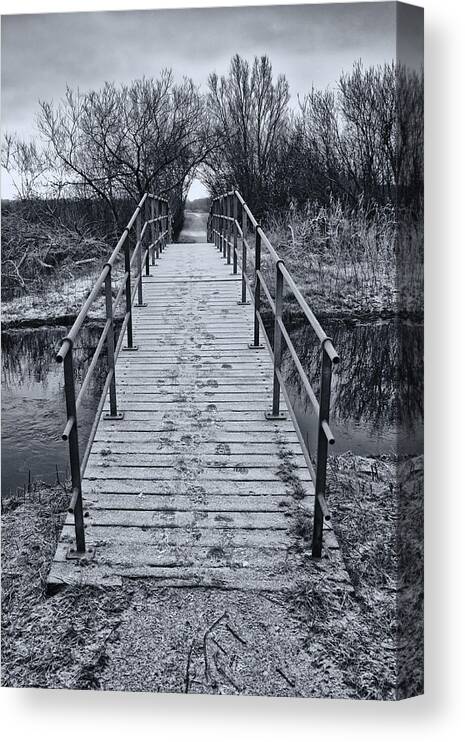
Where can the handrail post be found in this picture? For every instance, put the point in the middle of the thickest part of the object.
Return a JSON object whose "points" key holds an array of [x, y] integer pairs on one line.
{"points": [[322, 452], [234, 197], [275, 414], [157, 228], [164, 222], [147, 219], [113, 414], [220, 224], [228, 230], [244, 258], [152, 228], [170, 226], [74, 458], [140, 298], [127, 268], [256, 326], [225, 223]]}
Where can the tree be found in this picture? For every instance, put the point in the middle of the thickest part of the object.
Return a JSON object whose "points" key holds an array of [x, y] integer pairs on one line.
{"points": [[365, 139], [26, 165], [122, 141], [248, 113]]}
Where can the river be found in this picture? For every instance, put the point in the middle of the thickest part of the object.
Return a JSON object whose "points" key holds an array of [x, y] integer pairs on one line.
{"points": [[377, 405]]}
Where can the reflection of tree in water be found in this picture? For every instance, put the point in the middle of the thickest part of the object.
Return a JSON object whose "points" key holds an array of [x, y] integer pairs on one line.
{"points": [[29, 356], [377, 379]]}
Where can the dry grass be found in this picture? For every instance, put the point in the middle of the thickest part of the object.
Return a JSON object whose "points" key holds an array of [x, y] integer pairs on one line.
{"points": [[376, 632], [353, 261], [52, 642]]}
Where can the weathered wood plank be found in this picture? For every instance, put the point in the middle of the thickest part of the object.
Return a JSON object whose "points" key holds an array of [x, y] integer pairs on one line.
{"points": [[176, 459], [187, 537], [204, 520], [252, 475], [158, 447], [188, 501], [220, 486]]}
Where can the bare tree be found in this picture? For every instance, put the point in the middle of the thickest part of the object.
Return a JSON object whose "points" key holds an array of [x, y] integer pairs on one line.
{"points": [[26, 164], [122, 141], [365, 139], [249, 116]]}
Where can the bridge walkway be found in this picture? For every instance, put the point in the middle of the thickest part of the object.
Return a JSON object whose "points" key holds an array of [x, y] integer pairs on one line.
{"points": [[194, 486]]}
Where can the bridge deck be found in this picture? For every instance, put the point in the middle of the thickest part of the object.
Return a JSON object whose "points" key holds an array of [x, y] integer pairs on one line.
{"points": [[194, 486]]}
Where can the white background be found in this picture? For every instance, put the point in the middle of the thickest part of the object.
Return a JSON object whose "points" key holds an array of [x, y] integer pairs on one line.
{"points": [[91, 716]]}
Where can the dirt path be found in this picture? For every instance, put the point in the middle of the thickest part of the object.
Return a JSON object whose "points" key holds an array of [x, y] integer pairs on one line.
{"points": [[213, 641], [195, 227]]}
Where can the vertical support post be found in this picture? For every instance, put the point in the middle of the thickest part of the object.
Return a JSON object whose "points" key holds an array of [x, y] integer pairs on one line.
{"points": [[157, 228], [163, 224], [169, 226], [244, 257], [127, 268], [220, 225], [140, 299], [148, 241], [322, 452], [114, 415], [74, 458], [256, 327], [234, 233], [153, 235], [223, 227], [275, 414], [228, 229]]}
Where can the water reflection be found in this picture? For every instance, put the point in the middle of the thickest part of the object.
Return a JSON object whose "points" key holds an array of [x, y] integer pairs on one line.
{"points": [[377, 401], [33, 406]]}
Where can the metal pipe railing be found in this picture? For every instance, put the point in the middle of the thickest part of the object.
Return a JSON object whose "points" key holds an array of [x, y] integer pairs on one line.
{"points": [[224, 224], [160, 231]]}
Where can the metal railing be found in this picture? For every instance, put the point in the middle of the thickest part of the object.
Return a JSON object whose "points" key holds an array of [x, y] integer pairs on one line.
{"points": [[231, 221], [154, 211]]}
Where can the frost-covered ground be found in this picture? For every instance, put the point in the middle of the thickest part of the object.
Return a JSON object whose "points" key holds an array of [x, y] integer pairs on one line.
{"points": [[334, 640], [52, 306]]}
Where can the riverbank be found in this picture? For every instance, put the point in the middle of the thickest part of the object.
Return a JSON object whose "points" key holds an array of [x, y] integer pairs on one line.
{"points": [[59, 305], [339, 640], [52, 310]]}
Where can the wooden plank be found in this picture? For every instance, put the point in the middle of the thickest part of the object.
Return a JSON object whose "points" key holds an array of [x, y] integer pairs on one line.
{"points": [[220, 487], [187, 537], [189, 501], [183, 458], [157, 447], [175, 556], [205, 473], [162, 424], [66, 573], [166, 519]]}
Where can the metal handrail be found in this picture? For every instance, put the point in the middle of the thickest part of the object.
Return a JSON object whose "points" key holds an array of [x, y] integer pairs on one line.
{"points": [[231, 220], [155, 211]]}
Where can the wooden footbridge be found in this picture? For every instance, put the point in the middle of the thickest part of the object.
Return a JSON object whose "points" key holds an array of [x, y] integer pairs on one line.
{"points": [[195, 472]]}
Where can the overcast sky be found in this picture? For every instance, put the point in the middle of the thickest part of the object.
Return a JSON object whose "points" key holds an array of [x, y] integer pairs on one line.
{"points": [[311, 44]]}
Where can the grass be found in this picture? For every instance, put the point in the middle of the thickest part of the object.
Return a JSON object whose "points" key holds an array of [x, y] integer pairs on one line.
{"points": [[354, 261], [59, 641], [375, 632]]}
